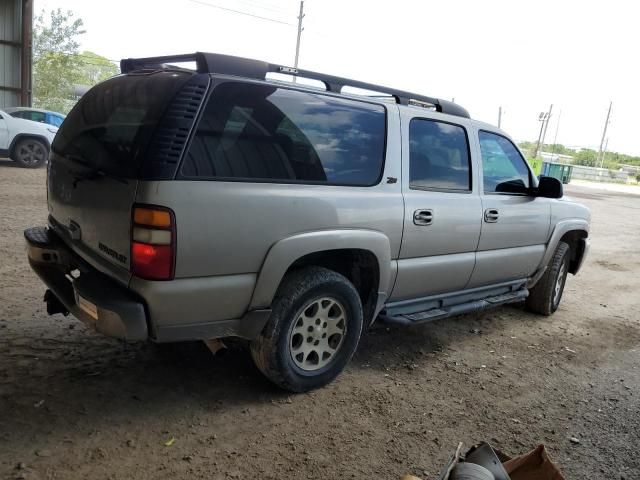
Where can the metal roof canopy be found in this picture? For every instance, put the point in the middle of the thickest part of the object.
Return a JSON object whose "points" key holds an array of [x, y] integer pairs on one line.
{"points": [[245, 67], [16, 20]]}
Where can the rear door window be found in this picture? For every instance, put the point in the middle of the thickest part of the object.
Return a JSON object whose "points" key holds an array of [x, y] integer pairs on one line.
{"points": [[438, 156], [264, 133]]}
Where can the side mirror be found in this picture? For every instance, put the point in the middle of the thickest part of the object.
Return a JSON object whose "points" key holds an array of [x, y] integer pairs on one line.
{"points": [[549, 187], [513, 186]]}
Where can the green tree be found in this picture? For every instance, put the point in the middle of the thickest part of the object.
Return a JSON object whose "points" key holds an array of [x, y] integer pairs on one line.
{"points": [[95, 68], [56, 63], [586, 157], [527, 148], [612, 160], [559, 149]]}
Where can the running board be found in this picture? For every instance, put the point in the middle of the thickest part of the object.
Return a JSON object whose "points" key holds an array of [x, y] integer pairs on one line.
{"points": [[444, 312]]}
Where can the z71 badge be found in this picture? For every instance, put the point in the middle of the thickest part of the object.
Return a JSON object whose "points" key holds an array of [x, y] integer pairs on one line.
{"points": [[112, 253]]}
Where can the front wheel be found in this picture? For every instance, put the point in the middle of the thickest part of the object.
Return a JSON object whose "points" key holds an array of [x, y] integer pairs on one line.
{"points": [[313, 331], [545, 296], [30, 153]]}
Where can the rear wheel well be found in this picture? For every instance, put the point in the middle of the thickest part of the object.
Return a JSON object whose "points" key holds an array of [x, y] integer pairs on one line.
{"points": [[572, 239], [359, 266]]}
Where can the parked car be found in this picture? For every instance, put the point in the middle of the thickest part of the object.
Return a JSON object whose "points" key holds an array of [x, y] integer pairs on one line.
{"points": [[196, 205], [25, 142], [37, 115]]}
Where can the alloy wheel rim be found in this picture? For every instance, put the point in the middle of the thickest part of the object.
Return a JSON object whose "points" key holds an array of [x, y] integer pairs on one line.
{"points": [[317, 334], [557, 289], [31, 153]]}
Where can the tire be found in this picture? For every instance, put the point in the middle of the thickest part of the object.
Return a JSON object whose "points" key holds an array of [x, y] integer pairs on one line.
{"points": [[544, 298], [30, 153], [471, 471], [313, 331]]}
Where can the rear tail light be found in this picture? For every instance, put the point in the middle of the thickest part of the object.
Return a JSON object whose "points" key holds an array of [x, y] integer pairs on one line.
{"points": [[153, 242]]}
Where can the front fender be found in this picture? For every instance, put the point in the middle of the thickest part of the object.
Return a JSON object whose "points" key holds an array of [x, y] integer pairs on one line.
{"points": [[561, 228], [286, 251]]}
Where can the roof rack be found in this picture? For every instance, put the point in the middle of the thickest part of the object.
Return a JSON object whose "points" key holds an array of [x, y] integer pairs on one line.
{"points": [[245, 67]]}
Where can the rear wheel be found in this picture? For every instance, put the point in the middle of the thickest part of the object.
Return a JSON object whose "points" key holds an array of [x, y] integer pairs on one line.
{"points": [[314, 329], [545, 296], [30, 153]]}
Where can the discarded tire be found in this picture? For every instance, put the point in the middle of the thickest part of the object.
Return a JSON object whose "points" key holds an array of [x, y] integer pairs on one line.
{"points": [[471, 471]]}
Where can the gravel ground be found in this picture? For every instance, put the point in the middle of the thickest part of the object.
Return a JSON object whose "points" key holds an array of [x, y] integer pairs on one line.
{"points": [[77, 405]]}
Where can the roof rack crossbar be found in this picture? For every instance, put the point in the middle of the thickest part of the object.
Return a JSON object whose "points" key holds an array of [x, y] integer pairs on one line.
{"points": [[244, 67]]}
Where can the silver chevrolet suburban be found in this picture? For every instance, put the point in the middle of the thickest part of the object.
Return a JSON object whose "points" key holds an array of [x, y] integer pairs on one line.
{"points": [[225, 201]]}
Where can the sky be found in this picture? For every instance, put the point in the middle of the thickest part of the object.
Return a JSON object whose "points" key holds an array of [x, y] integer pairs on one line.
{"points": [[521, 55]]}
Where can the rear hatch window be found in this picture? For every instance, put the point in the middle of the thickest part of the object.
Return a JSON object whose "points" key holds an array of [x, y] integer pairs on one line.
{"points": [[96, 163], [111, 126]]}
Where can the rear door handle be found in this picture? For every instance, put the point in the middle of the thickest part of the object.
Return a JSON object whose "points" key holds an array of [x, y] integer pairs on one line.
{"points": [[491, 215], [423, 217]]}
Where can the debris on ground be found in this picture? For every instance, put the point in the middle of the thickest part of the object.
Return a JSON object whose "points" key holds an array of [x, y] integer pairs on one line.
{"points": [[216, 346], [482, 462]]}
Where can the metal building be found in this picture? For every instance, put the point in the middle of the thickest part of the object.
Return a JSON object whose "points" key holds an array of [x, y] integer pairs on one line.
{"points": [[16, 20]]}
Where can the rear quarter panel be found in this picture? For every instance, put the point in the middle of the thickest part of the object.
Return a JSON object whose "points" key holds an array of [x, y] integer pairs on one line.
{"points": [[226, 228]]}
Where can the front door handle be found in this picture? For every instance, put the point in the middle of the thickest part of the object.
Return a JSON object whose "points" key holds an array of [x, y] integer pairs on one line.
{"points": [[423, 217], [491, 215]]}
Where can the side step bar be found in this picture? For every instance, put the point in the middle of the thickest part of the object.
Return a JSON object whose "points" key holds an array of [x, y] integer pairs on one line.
{"points": [[444, 312]]}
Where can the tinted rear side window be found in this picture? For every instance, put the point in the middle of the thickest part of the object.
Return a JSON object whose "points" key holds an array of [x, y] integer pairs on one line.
{"points": [[264, 133], [438, 156], [110, 127]]}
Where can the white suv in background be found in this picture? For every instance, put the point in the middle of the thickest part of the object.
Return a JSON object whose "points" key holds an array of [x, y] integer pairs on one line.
{"points": [[24, 141]]}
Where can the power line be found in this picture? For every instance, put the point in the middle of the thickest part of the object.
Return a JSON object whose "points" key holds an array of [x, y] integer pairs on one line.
{"points": [[264, 6], [260, 17]]}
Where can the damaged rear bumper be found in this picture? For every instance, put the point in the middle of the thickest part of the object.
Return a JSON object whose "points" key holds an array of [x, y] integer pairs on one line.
{"points": [[92, 297]]}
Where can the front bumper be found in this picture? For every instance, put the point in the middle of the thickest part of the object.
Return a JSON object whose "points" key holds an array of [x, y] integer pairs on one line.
{"points": [[91, 296]]}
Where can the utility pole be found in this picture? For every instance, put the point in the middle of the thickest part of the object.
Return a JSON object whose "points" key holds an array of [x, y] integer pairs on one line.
{"points": [[543, 117], [555, 137], [546, 124], [540, 119], [604, 133], [300, 17], [604, 152], [499, 116]]}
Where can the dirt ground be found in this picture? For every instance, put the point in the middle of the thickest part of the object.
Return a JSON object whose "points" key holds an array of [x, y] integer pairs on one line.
{"points": [[74, 404]]}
